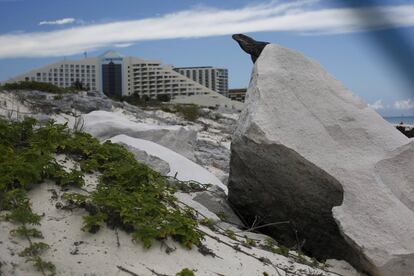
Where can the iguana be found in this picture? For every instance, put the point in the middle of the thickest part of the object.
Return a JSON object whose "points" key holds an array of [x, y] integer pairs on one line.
{"points": [[250, 46]]}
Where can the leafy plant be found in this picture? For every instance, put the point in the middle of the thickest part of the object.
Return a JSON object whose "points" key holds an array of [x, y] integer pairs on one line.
{"points": [[185, 272], [249, 242], [94, 222], [34, 249], [23, 231], [76, 199], [272, 246], [207, 222], [129, 195], [282, 250], [163, 97], [231, 234], [190, 112], [222, 215], [167, 108], [62, 177], [270, 242], [58, 97], [312, 262]]}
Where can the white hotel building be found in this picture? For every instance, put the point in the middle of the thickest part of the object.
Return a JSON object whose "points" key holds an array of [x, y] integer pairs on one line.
{"points": [[115, 75], [211, 77], [64, 73]]}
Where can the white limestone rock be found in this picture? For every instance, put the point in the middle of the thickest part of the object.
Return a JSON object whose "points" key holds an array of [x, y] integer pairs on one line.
{"points": [[155, 163], [180, 167], [309, 151], [104, 125]]}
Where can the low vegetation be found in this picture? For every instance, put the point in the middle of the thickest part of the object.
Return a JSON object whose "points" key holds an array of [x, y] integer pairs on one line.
{"points": [[33, 85], [129, 195], [42, 86], [272, 246], [145, 101], [190, 112], [185, 272]]}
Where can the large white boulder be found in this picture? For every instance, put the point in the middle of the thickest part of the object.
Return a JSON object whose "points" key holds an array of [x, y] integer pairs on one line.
{"points": [[309, 151], [104, 125]]}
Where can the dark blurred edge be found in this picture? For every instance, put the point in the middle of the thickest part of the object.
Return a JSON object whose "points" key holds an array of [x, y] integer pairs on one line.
{"points": [[390, 40]]}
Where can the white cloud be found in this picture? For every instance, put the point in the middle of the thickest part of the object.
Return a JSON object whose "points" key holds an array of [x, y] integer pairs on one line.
{"points": [[62, 21], [293, 16], [404, 104], [123, 45], [377, 105]]}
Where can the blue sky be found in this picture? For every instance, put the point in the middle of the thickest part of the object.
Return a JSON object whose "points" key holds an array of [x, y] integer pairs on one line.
{"points": [[368, 45]]}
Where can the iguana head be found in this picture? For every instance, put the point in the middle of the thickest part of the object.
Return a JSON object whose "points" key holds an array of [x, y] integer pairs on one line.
{"points": [[241, 38]]}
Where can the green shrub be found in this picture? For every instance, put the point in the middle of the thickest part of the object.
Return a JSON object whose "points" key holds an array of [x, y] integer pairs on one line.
{"points": [[163, 98], [273, 246], [133, 99], [282, 250], [33, 85], [167, 108], [129, 195], [58, 97], [270, 242], [249, 242], [143, 101], [230, 234], [223, 216], [185, 272], [207, 222], [190, 112]]}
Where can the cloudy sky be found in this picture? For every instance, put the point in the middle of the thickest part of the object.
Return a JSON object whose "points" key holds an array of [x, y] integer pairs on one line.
{"points": [[368, 45]]}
